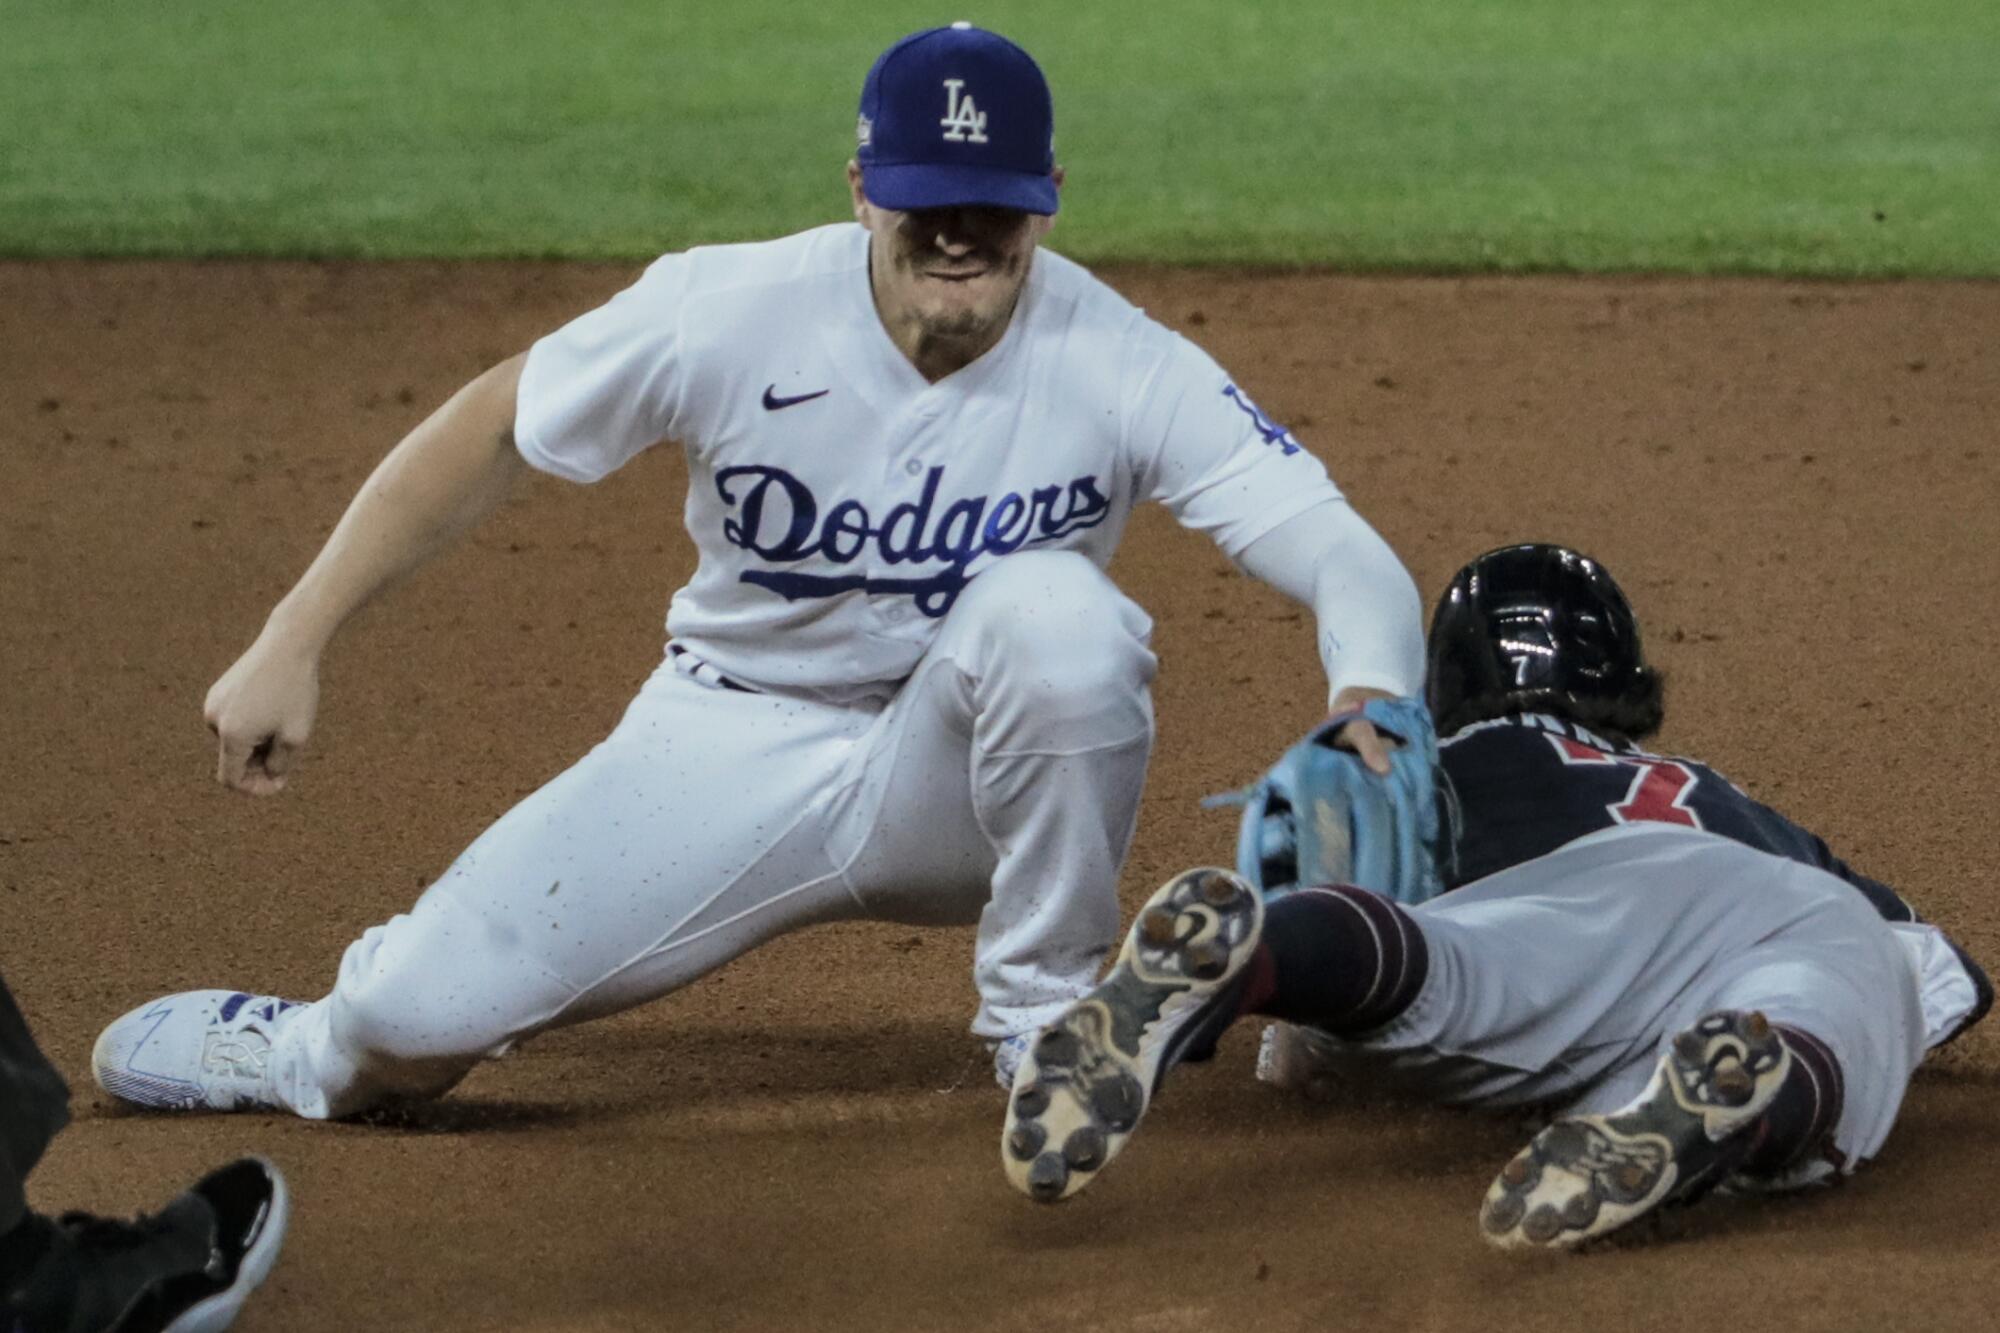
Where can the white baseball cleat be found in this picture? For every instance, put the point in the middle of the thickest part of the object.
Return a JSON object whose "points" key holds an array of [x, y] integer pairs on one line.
{"points": [[1587, 1175], [1084, 1083], [203, 1050]]}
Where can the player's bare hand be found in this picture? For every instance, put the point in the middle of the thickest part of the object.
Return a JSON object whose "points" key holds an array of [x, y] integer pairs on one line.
{"points": [[261, 711], [1360, 735]]}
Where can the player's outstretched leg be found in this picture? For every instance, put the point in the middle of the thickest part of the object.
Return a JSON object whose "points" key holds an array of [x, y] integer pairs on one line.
{"points": [[205, 1050], [1088, 1078], [1587, 1175]]}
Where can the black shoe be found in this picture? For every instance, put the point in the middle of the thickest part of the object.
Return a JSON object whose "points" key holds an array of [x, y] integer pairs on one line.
{"points": [[186, 1269]]}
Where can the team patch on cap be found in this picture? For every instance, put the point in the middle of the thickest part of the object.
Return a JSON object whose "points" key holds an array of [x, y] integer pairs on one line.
{"points": [[963, 121]]}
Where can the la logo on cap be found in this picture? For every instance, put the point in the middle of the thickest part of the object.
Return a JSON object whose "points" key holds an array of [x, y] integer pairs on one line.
{"points": [[956, 117], [963, 121]]}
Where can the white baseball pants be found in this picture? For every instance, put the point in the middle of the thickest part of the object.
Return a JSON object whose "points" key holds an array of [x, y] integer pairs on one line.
{"points": [[998, 786]]}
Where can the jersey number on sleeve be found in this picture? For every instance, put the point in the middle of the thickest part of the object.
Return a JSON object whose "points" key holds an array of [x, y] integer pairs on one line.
{"points": [[1657, 791]]}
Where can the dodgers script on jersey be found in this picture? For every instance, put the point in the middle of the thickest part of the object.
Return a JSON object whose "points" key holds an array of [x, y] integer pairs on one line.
{"points": [[839, 502]]}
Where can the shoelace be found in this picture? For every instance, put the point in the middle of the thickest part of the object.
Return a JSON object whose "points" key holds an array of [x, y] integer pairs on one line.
{"points": [[244, 1058], [245, 1052]]}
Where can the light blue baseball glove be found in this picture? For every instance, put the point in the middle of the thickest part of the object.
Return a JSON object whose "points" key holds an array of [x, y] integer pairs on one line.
{"points": [[1320, 817]]}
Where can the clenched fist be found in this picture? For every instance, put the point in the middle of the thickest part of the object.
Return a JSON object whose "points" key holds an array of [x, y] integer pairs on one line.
{"points": [[261, 711]]}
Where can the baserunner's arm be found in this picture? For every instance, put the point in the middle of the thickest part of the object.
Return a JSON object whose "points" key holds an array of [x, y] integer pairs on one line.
{"points": [[446, 475]]}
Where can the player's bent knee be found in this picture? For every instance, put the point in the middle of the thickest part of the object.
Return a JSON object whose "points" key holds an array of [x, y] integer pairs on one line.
{"points": [[1055, 656], [1058, 609], [1060, 581]]}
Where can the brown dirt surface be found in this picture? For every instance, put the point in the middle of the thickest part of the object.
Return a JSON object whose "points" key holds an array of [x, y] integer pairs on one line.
{"points": [[1796, 483]]}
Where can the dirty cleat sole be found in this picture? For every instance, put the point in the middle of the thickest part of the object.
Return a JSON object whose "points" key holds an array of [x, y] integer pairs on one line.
{"points": [[1088, 1078], [1587, 1175]]}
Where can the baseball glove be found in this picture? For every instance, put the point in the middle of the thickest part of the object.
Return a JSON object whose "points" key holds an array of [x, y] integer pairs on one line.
{"points": [[1320, 817]]}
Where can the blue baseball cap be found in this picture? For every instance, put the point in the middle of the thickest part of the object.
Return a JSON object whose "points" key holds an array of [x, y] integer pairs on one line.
{"points": [[954, 117]]}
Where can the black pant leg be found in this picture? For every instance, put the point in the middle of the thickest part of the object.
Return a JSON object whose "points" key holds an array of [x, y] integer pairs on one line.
{"points": [[34, 1105]]}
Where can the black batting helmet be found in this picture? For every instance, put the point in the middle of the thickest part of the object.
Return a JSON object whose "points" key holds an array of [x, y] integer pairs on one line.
{"points": [[1539, 629]]}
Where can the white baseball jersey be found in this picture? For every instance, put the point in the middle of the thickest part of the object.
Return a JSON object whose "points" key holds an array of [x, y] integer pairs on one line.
{"points": [[955, 736], [839, 501]]}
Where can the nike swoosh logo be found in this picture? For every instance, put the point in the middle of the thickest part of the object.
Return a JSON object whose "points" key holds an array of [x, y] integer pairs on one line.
{"points": [[773, 403]]}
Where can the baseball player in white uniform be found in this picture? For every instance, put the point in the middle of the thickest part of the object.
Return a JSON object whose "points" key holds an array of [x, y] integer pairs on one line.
{"points": [[899, 685]]}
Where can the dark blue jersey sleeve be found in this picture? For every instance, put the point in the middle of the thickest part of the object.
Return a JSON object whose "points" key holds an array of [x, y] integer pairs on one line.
{"points": [[1527, 785], [1764, 828]]}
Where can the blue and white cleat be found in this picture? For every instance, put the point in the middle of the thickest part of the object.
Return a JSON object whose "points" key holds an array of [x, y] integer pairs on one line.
{"points": [[203, 1050], [1086, 1081], [1587, 1175]]}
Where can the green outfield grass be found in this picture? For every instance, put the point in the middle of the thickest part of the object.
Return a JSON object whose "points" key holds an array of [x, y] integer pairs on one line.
{"points": [[1809, 136]]}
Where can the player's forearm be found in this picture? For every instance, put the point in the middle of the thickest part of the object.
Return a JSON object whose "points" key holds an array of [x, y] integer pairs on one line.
{"points": [[1370, 617], [445, 476]]}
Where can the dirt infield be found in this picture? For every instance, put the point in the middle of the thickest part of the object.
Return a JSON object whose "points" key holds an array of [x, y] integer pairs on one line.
{"points": [[1796, 483]]}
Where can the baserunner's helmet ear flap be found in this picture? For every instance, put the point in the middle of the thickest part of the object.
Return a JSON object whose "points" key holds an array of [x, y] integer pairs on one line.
{"points": [[1538, 627]]}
